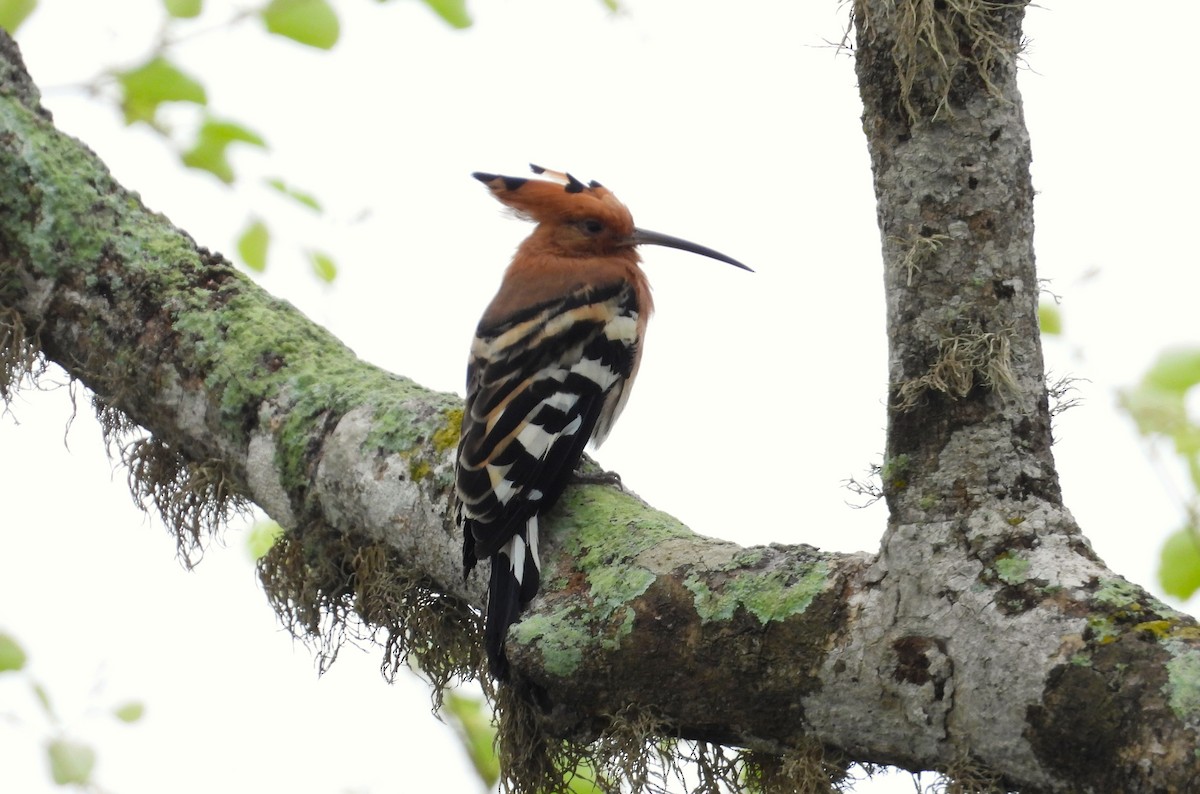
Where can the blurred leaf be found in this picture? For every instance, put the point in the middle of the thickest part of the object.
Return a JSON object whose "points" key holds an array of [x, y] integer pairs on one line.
{"points": [[307, 199], [43, 698], [70, 762], [1193, 464], [311, 22], [1155, 411], [153, 83], [14, 12], [583, 781], [323, 265], [262, 537], [1175, 370], [453, 12], [253, 244], [612, 5], [1050, 318], [183, 9], [472, 721], [1163, 412], [12, 655], [130, 712], [210, 152], [1179, 564]]}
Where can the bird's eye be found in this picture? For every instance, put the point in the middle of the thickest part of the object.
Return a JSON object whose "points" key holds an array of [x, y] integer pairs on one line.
{"points": [[591, 226]]}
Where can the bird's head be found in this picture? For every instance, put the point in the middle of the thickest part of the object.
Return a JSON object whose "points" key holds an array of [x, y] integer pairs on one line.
{"points": [[577, 219]]}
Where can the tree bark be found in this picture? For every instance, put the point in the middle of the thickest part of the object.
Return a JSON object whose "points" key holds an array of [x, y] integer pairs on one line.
{"points": [[984, 640]]}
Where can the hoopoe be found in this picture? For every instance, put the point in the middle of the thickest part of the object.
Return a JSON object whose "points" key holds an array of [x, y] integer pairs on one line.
{"points": [[551, 367]]}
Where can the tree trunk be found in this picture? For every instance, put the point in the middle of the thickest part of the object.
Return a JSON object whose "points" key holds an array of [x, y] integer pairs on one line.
{"points": [[984, 640]]}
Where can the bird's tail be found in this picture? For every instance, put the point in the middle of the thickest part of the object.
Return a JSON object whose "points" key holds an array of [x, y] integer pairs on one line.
{"points": [[516, 571]]}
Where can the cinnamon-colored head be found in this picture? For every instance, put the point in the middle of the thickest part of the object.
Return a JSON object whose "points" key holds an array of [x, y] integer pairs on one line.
{"points": [[579, 220]]}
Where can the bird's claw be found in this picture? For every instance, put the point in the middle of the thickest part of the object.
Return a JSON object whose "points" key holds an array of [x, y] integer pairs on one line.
{"points": [[598, 478]]}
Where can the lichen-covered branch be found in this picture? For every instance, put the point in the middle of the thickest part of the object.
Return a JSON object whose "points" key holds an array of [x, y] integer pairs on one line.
{"points": [[984, 640], [217, 393]]}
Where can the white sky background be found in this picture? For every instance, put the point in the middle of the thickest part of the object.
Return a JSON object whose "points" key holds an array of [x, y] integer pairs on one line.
{"points": [[728, 123]]}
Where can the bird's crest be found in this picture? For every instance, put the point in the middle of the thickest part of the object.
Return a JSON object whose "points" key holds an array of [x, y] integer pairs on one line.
{"points": [[559, 199]]}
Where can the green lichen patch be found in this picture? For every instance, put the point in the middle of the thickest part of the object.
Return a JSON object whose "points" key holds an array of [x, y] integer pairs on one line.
{"points": [[446, 437], [1183, 683], [895, 471], [1119, 594], [250, 348], [1102, 630], [768, 595], [752, 557], [560, 637], [45, 173], [601, 526], [605, 531], [418, 470], [1125, 605], [612, 588], [1012, 570], [430, 419]]}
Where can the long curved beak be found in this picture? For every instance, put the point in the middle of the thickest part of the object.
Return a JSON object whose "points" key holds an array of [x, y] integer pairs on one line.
{"points": [[647, 237]]}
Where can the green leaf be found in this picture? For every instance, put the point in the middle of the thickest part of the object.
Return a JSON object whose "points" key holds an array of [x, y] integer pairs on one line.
{"points": [[262, 537], [473, 724], [1155, 411], [1175, 370], [253, 244], [70, 762], [210, 152], [311, 22], [130, 712], [183, 9], [1179, 564], [43, 698], [153, 83], [453, 12], [1050, 318], [12, 655], [299, 196], [583, 781], [323, 265], [13, 13]]}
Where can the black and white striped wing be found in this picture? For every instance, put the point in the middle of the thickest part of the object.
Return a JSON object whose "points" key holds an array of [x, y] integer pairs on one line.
{"points": [[539, 385]]}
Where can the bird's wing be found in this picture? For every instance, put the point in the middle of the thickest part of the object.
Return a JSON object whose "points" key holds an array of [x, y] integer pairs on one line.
{"points": [[538, 384]]}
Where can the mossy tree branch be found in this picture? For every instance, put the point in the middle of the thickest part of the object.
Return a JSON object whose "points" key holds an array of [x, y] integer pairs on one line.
{"points": [[985, 639]]}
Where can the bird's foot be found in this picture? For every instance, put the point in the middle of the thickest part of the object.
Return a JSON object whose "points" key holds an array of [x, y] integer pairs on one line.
{"points": [[597, 478]]}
